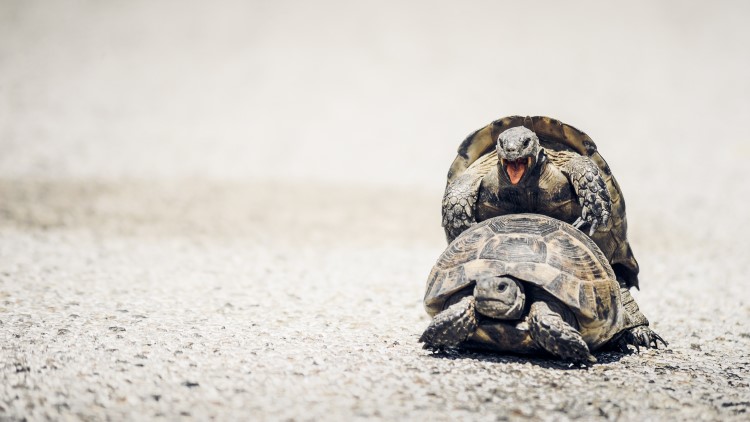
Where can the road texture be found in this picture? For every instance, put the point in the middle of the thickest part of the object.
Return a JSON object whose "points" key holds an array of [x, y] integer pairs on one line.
{"points": [[232, 301], [230, 212]]}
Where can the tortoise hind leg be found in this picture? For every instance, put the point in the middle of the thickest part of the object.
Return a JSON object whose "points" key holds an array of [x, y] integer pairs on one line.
{"points": [[638, 333], [551, 331]]}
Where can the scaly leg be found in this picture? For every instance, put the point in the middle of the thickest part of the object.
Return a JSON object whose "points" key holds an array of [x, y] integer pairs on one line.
{"points": [[639, 334], [596, 204], [551, 331], [452, 326]]}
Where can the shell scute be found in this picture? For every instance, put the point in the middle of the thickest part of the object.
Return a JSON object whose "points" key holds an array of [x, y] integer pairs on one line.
{"points": [[515, 249]]}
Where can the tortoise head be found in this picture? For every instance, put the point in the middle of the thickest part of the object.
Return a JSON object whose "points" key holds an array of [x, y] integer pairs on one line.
{"points": [[518, 151], [499, 297]]}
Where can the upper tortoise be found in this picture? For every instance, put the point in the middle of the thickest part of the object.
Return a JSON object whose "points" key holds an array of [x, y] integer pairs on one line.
{"points": [[540, 165]]}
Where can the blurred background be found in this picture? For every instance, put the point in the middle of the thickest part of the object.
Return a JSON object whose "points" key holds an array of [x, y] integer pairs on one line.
{"points": [[362, 93], [374, 94], [345, 116]]}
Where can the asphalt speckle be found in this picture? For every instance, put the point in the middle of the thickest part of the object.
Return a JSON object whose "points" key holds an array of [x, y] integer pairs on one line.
{"points": [[147, 310]]}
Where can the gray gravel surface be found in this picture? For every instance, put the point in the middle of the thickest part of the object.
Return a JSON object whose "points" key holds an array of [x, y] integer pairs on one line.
{"points": [[228, 210], [223, 301]]}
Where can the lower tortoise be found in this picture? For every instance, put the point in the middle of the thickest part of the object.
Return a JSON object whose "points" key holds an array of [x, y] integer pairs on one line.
{"points": [[526, 283]]}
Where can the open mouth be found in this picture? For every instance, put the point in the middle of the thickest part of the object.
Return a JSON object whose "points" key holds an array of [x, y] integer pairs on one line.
{"points": [[515, 169]]}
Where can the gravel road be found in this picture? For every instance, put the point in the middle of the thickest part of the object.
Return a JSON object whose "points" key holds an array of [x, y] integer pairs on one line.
{"points": [[232, 301], [230, 212]]}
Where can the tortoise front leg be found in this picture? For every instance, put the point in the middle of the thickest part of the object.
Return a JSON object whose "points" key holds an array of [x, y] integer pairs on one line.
{"points": [[458, 204], [551, 328], [587, 181], [452, 326]]}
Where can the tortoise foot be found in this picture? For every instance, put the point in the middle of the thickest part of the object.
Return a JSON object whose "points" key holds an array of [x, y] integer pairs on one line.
{"points": [[643, 336], [619, 344], [452, 326], [556, 336]]}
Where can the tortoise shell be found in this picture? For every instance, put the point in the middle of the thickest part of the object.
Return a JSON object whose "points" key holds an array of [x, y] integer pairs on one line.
{"points": [[536, 249], [553, 135]]}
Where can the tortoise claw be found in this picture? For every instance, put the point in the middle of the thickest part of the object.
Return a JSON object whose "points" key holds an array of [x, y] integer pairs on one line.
{"points": [[605, 218], [594, 225], [644, 336], [655, 338]]}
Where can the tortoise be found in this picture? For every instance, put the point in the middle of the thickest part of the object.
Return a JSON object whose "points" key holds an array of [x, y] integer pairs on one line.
{"points": [[540, 165], [525, 283]]}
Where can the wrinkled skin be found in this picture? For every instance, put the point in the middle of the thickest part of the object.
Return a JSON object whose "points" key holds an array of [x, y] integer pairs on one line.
{"points": [[499, 297], [518, 152]]}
